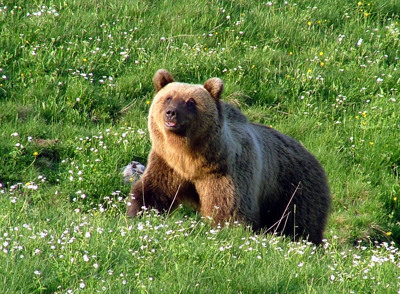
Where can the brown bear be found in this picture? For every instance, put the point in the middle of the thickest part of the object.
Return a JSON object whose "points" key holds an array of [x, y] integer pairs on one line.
{"points": [[207, 153]]}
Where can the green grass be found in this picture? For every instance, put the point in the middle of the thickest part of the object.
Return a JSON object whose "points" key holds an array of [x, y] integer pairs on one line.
{"points": [[75, 88]]}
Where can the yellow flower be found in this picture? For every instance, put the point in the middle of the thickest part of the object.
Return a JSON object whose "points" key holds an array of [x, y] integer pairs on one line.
{"points": [[28, 183], [84, 60], [356, 117], [364, 123], [253, 66], [388, 233], [360, 3], [364, 114], [309, 23], [371, 143], [367, 14], [35, 153], [321, 53], [319, 22], [288, 76], [309, 70], [394, 198], [147, 102], [321, 63], [290, 53]]}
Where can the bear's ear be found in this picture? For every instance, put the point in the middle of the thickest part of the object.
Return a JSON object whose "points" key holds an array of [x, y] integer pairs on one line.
{"points": [[215, 86], [161, 79]]}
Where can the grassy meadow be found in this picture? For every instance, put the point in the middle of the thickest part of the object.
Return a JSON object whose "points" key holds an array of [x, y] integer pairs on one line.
{"points": [[75, 90]]}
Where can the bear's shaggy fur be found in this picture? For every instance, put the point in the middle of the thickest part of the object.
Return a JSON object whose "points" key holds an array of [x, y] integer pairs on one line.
{"points": [[207, 153]]}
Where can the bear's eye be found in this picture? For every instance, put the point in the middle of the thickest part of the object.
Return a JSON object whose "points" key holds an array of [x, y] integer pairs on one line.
{"points": [[169, 98], [191, 104]]}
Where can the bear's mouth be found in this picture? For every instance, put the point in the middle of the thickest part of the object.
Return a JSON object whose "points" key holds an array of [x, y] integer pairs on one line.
{"points": [[174, 126], [171, 124]]}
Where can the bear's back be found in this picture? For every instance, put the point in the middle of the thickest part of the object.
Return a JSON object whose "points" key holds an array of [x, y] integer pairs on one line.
{"points": [[232, 114]]}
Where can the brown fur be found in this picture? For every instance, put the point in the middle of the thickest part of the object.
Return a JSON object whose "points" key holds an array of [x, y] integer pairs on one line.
{"points": [[206, 152]]}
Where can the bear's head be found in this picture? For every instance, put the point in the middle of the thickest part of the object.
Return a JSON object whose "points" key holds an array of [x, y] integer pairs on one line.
{"points": [[185, 111]]}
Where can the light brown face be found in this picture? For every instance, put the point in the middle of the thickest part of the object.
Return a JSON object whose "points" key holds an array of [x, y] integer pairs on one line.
{"points": [[178, 113], [184, 110]]}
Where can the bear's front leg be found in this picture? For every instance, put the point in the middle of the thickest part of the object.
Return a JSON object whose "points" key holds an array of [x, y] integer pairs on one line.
{"points": [[217, 198], [159, 188], [137, 199]]}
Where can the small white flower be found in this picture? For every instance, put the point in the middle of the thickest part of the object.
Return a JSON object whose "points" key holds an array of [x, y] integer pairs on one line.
{"points": [[379, 80], [359, 42], [82, 285]]}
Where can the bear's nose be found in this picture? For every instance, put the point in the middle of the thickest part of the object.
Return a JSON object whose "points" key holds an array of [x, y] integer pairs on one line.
{"points": [[170, 114]]}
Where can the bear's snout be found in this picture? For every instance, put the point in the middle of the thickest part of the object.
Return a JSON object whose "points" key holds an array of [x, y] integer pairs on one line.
{"points": [[172, 119], [170, 113]]}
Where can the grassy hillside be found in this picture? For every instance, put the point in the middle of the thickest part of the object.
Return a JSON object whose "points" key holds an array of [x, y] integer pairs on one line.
{"points": [[75, 89]]}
